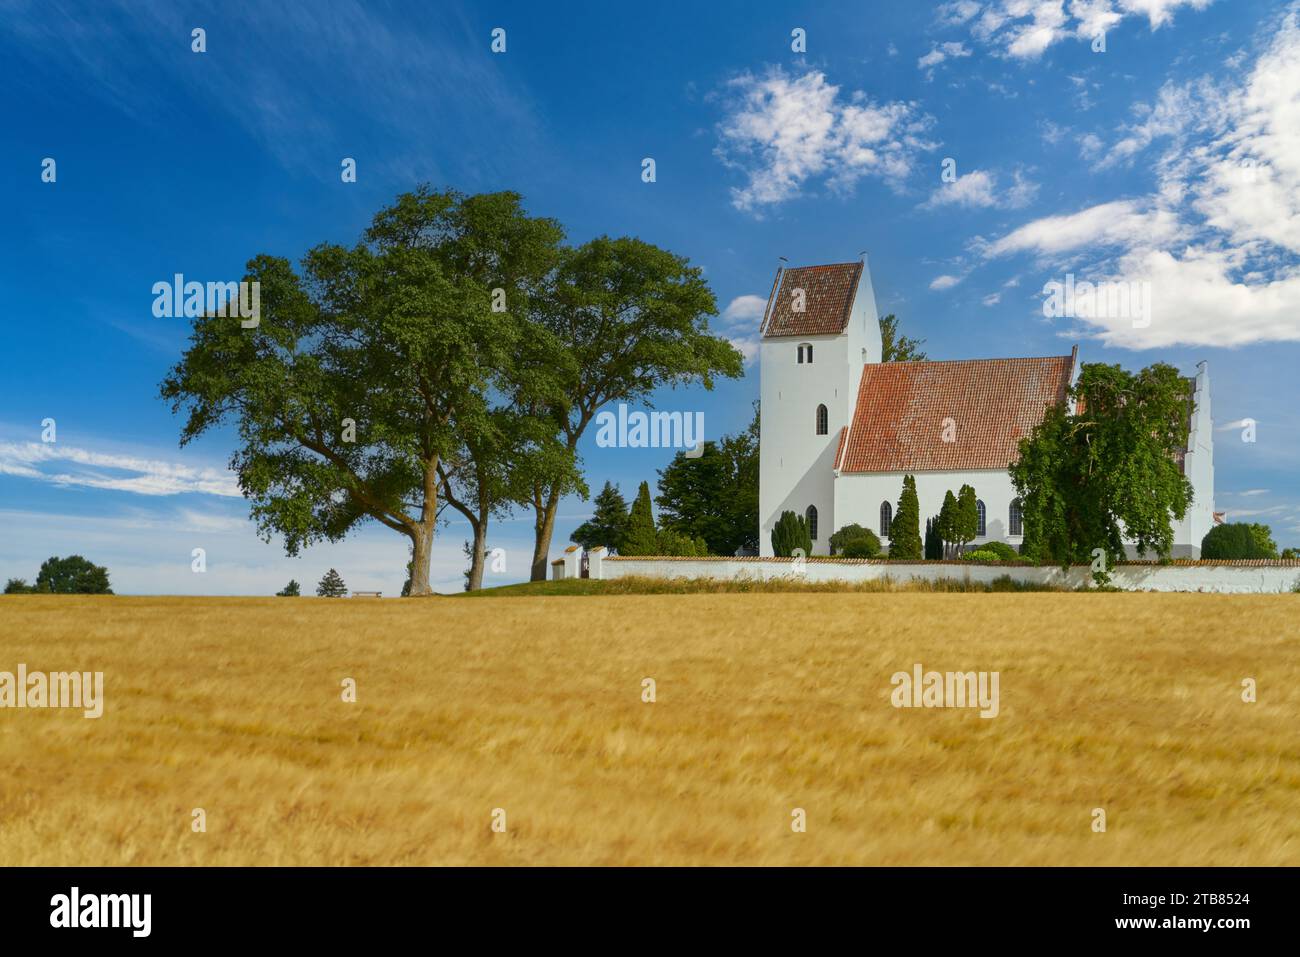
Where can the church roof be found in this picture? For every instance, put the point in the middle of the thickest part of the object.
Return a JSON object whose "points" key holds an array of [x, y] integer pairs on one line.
{"points": [[828, 293], [898, 422]]}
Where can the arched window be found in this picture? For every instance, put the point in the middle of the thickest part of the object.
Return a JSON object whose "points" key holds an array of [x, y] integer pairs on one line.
{"points": [[805, 352], [822, 427], [1016, 517], [811, 515], [886, 517], [979, 524]]}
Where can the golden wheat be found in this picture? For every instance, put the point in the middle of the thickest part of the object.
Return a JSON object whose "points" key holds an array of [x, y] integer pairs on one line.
{"points": [[765, 703]]}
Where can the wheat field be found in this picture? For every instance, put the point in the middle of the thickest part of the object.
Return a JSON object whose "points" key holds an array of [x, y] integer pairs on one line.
{"points": [[764, 703]]}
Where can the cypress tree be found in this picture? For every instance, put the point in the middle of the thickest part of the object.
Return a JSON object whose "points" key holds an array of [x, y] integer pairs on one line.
{"points": [[905, 530], [791, 532], [948, 516], [641, 537], [968, 516]]}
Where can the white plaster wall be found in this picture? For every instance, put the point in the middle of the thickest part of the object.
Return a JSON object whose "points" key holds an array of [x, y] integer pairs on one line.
{"points": [[1201, 577], [858, 496], [1199, 469]]}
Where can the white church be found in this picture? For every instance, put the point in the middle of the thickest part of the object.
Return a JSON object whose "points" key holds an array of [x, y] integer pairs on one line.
{"points": [[840, 428]]}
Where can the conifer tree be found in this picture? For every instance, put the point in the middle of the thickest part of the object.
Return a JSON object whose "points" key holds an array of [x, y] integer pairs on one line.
{"points": [[609, 523], [968, 517], [331, 585], [642, 538], [905, 530], [791, 532]]}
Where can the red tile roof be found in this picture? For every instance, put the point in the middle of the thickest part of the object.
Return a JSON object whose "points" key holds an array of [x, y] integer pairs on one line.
{"points": [[828, 293], [839, 451], [898, 423]]}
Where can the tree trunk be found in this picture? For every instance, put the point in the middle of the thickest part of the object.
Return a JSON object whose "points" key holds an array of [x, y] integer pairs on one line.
{"points": [[543, 527], [476, 555], [421, 549]]}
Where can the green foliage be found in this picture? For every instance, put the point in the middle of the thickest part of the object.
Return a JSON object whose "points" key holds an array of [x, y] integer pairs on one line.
{"points": [[1088, 479], [1264, 538], [715, 496], [608, 524], [949, 519], [73, 575], [789, 533], [869, 546], [331, 585], [995, 552], [895, 347], [291, 590], [968, 517], [642, 538], [675, 544], [18, 586], [1233, 540], [1291, 554], [933, 543], [905, 530]]}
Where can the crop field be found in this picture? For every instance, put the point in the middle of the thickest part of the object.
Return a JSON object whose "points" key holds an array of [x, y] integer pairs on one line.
{"points": [[514, 730]]}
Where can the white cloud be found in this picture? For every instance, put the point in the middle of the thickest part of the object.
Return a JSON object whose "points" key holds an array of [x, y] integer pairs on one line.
{"points": [[940, 52], [1026, 29], [945, 282], [1219, 239], [740, 324], [783, 131], [992, 299], [144, 476], [978, 190]]}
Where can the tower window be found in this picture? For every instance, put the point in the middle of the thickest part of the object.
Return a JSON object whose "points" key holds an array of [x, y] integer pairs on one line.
{"points": [[822, 423], [1017, 518], [805, 352], [811, 515], [886, 517], [979, 525]]}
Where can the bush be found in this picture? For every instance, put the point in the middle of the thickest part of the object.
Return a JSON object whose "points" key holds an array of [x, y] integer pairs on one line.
{"points": [[291, 590], [869, 547], [675, 544], [18, 586], [1001, 552], [1231, 541], [790, 532]]}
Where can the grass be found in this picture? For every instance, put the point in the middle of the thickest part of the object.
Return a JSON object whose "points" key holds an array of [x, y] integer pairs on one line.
{"points": [[765, 703], [637, 585]]}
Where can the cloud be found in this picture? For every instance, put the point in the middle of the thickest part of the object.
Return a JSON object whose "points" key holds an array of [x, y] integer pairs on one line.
{"points": [[740, 324], [143, 476], [1218, 242], [945, 282], [978, 190], [784, 131], [940, 52], [992, 299], [1026, 29]]}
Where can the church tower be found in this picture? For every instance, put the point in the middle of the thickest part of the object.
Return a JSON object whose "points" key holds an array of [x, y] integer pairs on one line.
{"points": [[819, 328]]}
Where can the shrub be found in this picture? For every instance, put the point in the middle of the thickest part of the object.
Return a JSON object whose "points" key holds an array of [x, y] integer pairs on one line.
{"points": [[1001, 552], [676, 544], [291, 590], [18, 586], [1230, 541], [790, 532], [841, 540], [980, 555], [862, 548]]}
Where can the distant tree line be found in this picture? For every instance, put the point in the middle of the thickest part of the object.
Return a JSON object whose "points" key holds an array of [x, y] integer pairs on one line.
{"points": [[73, 575]]}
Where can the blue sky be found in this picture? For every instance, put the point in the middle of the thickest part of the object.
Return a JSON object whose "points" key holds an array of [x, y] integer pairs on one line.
{"points": [[1169, 157]]}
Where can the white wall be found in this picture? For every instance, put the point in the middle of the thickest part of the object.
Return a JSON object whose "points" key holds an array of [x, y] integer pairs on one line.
{"points": [[858, 496], [1199, 469], [1200, 577]]}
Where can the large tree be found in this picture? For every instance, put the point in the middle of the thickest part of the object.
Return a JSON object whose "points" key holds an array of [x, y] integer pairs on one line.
{"points": [[641, 538], [345, 394], [1088, 479], [73, 575], [609, 523], [896, 347], [628, 318]]}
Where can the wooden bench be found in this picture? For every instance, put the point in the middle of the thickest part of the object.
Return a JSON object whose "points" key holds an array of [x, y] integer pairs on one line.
{"points": [[367, 594]]}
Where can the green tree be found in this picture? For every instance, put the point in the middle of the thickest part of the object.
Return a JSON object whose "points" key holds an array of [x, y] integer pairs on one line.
{"points": [[905, 529], [846, 536], [1234, 540], [968, 517], [1291, 554], [18, 586], [896, 347], [949, 519], [291, 590], [642, 537], [608, 524], [715, 495], [345, 392], [628, 318], [933, 541], [73, 575], [331, 585], [1088, 478], [1264, 538], [674, 543], [790, 533]]}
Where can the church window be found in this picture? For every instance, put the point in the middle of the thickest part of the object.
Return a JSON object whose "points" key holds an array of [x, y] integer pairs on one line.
{"points": [[1017, 518], [886, 516], [811, 515], [822, 424], [980, 527]]}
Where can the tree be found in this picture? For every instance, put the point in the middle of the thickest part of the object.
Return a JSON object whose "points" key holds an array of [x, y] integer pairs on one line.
{"points": [[674, 543], [968, 518], [73, 575], [345, 392], [851, 534], [331, 585], [790, 533], [933, 541], [905, 529], [609, 523], [1264, 538], [642, 538], [1290, 554], [895, 347], [949, 520], [291, 590], [18, 586], [629, 318], [1233, 540], [1088, 478]]}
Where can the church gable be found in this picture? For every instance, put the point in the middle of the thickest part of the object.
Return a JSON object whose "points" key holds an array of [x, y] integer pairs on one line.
{"points": [[825, 293], [899, 420]]}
